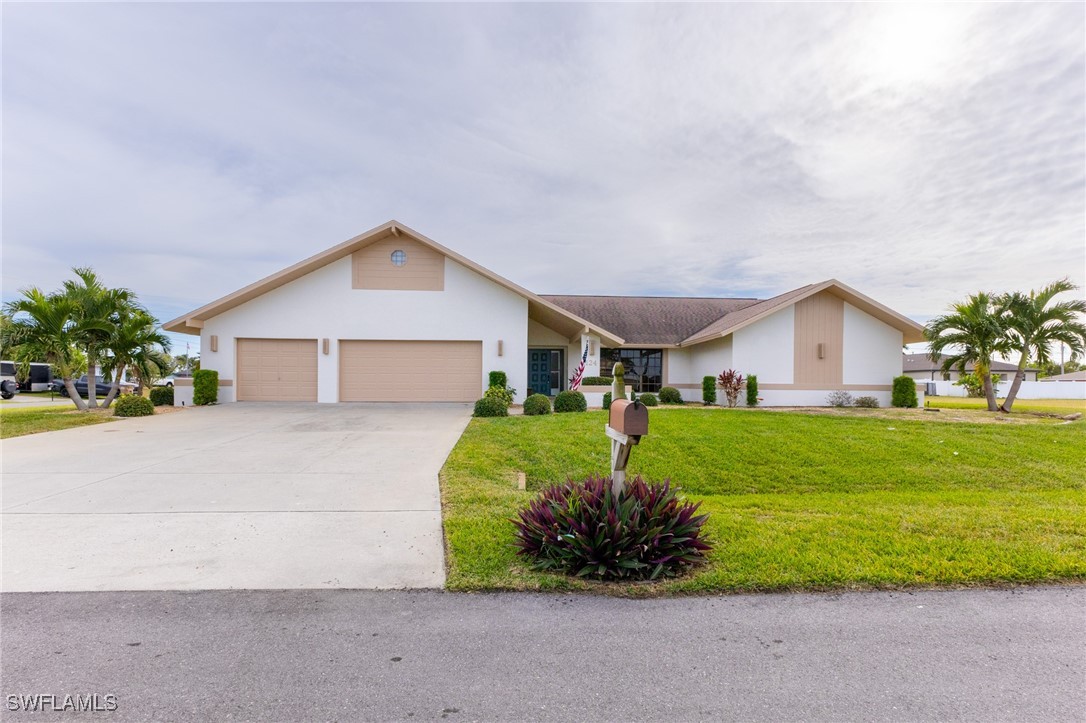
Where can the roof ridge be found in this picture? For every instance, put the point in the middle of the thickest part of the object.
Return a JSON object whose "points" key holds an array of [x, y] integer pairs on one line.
{"points": [[628, 296]]}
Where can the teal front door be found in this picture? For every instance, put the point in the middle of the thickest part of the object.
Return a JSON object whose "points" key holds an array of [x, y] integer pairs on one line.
{"points": [[545, 371]]}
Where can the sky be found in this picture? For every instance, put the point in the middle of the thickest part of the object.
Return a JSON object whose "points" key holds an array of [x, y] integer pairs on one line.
{"points": [[915, 152]]}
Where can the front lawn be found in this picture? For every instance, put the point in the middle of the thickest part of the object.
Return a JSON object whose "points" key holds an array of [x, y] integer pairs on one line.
{"points": [[1021, 406], [797, 501], [17, 421]]}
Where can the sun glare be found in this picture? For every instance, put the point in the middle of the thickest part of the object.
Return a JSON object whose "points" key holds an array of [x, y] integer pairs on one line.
{"points": [[907, 44]]}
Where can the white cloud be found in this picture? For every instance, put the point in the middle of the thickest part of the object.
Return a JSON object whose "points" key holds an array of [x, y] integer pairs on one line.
{"points": [[917, 152]]}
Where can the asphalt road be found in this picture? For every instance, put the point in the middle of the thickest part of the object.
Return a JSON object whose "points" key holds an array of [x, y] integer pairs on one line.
{"points": [[997, 655]]}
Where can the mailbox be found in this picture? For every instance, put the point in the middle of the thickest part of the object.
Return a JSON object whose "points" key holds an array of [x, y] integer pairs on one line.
{"points": [[629, 418]]}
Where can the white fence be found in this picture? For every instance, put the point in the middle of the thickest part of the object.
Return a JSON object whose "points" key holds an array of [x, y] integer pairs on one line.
{"points": [[1028, 390]]}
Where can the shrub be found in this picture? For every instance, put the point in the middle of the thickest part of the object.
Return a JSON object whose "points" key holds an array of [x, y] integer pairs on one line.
{"points": [[649, 399], [839, 399], [597, 381], [491, 407], [731, 382], [708, 390], [904, 392], [131, 405], [570, 402], [670, 395], [162, 396], [607, 400], [537, 404], [505, 396], [498, 379], [867, 402], [973, 383], [205, 386], [752, 390], [578, 528]]}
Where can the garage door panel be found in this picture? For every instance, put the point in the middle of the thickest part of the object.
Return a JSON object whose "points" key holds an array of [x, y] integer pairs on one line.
{"points": [[410, 371], [279, 370]]}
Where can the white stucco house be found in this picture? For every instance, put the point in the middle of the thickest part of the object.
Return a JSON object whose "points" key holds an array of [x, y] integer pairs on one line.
{"points": [[392, 316]]}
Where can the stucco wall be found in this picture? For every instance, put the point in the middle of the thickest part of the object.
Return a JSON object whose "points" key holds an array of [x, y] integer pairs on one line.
{"points": [[872, 349], [767, 348], [323, 305]]}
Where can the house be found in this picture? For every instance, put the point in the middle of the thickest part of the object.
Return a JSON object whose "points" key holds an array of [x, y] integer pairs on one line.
{"points": [[392, 316], [1079, 376], [921, 368]]}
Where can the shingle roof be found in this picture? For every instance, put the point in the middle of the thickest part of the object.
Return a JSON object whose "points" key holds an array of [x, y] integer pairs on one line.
{"points": [[734, 318], [651, 319], [923, 363]]}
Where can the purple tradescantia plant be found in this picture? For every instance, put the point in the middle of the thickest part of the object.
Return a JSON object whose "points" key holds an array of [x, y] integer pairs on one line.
{"points": [[578, 528]]}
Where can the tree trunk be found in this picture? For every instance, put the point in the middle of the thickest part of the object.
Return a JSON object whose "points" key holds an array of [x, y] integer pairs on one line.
{"points": [[73, 394], [989, 392], [1019, 375], [113, 392], [92, 379]]}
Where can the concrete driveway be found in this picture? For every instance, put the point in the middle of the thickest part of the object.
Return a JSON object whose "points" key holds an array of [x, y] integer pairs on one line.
{"points": [[244, 496]]}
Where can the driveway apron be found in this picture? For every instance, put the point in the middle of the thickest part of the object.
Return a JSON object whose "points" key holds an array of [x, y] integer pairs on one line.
{"points": [[239, 496]]}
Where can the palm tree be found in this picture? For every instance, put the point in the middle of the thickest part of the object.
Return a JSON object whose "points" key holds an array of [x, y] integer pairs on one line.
{"points": [[974, 331], [98, 309], [137, 345], [1034, 324], [45, 327]]}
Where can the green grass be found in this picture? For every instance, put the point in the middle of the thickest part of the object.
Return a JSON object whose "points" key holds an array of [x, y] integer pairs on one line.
{"points": [[1020, 406], [796, 501], [17, 421]]}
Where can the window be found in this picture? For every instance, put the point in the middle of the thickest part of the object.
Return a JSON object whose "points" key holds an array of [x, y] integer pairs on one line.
{"points": [[644, 367], [399, 257]]}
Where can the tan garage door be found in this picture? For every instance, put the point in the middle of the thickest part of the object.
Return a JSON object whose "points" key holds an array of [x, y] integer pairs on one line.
{"points": [[277, 370], [410, 371]]}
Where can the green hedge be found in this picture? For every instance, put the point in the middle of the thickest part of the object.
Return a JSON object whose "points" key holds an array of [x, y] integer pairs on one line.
{"points": [[607, 400], [498, 379], [536, 405], [205, 387], [649, 399], [670, 395], [162, 396], [904, 394], [131, 405], [570, 402], [752, 390], [597, 381], [491, 407], [500, 393], [708, 390]]}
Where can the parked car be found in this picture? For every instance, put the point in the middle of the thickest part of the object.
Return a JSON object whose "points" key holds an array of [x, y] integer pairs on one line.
{"points": [[166, 381], [8, 385], [102, 387]]}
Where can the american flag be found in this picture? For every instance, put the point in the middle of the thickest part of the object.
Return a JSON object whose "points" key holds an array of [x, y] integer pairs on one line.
{"points": [[575, 380]]}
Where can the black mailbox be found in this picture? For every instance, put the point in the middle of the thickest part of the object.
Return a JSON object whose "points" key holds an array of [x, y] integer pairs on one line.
{"points": [[629, 418]]}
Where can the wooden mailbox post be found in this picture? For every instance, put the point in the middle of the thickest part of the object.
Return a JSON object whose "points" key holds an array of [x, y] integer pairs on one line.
{"points": [[629, 421]]}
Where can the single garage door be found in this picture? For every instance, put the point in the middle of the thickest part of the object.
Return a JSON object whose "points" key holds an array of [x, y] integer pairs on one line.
{"points": [[277, 370], [410, 371]]}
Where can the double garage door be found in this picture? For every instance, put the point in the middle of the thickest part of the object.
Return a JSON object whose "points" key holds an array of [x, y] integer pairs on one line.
{"points": [[369, 371]]}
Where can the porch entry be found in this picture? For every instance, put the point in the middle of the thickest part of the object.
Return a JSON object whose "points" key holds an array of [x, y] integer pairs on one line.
{"points": [[545, 367]]}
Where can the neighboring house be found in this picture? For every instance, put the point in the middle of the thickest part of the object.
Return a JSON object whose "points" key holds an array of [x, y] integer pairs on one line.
{"points": [[921, 368], [1079, 376], [391, 316]]}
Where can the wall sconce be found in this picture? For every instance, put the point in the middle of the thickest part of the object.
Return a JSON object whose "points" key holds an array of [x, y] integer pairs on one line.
{"points": [[501, 349], [214, 342], [592, 347], [324, 346], [821, 350]]}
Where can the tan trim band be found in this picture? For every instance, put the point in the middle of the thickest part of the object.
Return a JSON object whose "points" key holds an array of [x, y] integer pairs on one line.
{"points": [[823, 387], [187, 382]]}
